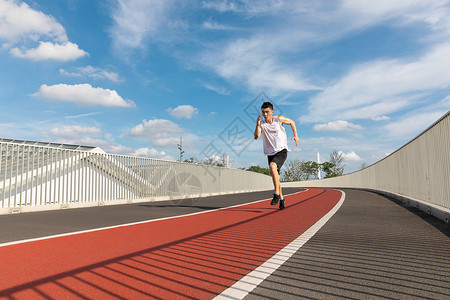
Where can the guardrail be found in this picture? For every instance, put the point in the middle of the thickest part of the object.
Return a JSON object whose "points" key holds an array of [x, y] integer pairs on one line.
{"points": [[36, 177], [418, 172]]}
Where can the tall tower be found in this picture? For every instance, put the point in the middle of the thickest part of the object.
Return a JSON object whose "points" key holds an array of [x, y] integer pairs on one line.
{"points": [[226, 160], [318, 162]]}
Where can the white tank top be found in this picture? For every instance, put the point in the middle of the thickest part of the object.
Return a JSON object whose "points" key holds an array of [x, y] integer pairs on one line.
{"points": [[274, 137]]}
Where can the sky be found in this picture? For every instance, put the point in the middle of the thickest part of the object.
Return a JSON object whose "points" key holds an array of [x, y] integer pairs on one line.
{"points": [[362, 77]]}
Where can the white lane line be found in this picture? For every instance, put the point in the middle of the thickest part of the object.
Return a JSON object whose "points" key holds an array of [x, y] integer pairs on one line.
{"points": [[244, 286], [128, 224]]}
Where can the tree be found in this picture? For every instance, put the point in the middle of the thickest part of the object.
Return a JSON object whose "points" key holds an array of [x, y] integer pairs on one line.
{"points": [[327, 168], [297, 170], [259, 169], [191, 160], [294, 170], [336, 158], [363, 165], [311, 168]]}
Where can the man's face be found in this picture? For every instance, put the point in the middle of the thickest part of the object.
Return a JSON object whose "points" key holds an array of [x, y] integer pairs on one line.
{"points": [[267, 113]]}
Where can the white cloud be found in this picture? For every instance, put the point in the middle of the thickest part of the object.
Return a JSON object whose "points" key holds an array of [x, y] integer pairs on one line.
{"points": [[380, 118], [159, 131], [72, 74], [75, 132], [432, 13], [249, 8], [388, 86], [323, 21], [411, 125], [151, 152], [115, 148], [137, 20], [212, 25], [218, 89], [83, 94], [82, 115], [260, 60], [326, 145], [94, 137], [256, 62], [163, 133], [213, 159], [18, 20], [21, 24], [350, 156], [318, 143], [50, 51], [183, 111], [446, 101], [96, 73], [339, 125], [76, 135], [220, 6], [259, 56]]}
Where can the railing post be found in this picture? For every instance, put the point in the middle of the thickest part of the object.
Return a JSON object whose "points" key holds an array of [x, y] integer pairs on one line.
{"points": [[5, 173]]}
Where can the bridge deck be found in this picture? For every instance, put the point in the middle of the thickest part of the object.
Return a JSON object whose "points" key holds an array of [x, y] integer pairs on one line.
{"points": [[371, 248]]}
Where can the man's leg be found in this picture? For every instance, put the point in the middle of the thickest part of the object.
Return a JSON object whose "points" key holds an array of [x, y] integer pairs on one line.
{"points": [[276, 183], [279, 183], [275, 163], [275, 177]]}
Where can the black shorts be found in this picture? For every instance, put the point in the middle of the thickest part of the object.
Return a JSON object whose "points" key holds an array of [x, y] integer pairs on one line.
{"points": [[279, 158]]}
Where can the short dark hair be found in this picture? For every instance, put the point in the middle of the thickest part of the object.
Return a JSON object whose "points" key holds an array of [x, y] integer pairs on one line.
{"points": [[267, 105]]}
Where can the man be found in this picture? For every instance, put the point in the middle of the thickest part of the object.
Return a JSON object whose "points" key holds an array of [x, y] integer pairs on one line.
{"points": [[274, 145]]}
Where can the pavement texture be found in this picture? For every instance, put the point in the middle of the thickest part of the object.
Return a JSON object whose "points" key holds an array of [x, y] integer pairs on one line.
{"points": [[38, 224], [372, 248], [194, 256]]}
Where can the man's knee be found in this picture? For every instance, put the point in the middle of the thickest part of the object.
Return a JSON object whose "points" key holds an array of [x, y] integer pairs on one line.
{"points": [[273, 167]]}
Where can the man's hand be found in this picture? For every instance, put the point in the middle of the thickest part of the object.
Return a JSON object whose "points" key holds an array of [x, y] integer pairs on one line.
{"points": [[258, 128], [296, 139]]}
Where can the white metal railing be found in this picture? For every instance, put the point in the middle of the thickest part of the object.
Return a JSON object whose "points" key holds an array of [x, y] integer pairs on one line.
{"points": [[419, 170], [38, 176]]}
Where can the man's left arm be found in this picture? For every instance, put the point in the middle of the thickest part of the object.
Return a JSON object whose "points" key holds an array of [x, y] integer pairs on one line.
{"points": [[288, 121]]}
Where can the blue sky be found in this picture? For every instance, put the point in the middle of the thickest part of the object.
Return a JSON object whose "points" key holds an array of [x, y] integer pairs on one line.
{"points": [[361, 77]]}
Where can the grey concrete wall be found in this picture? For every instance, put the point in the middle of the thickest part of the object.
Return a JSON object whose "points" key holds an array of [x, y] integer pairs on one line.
{"points": [[418, 172]]}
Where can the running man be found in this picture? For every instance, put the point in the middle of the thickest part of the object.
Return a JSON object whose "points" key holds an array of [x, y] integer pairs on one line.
{"points": [[274, 145]]}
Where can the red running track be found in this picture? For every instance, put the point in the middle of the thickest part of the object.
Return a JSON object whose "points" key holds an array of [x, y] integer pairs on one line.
{"points": [[193, 257]]}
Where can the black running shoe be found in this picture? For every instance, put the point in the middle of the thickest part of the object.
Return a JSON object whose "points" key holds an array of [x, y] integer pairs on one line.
{"points": [[282, 202], [275, 199]]}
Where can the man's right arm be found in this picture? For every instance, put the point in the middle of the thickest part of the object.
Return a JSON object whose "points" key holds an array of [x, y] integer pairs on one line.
{"points": [[258, 128]]}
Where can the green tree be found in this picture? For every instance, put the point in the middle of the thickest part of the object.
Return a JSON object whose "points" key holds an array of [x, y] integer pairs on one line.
{"points": [[259, 169], [327, 168], [294, 170], [310, 168], [337, 158], [297, 170]]}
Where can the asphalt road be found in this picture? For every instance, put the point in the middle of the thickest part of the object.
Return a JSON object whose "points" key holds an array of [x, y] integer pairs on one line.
{"points": [[372, 248], [23, 226]]}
